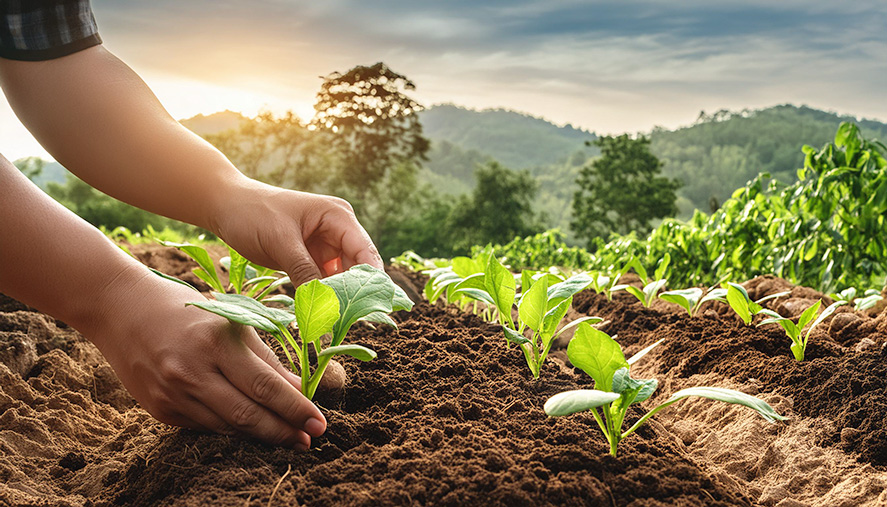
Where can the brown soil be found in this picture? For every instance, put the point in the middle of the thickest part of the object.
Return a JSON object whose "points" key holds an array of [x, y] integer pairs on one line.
{"points": [[446, 415]]}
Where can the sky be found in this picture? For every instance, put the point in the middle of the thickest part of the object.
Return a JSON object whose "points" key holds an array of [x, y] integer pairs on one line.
{"points": [[609, 67]]}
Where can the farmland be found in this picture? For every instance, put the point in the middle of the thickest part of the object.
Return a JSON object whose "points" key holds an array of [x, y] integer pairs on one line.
{"points": [[737, 358]]}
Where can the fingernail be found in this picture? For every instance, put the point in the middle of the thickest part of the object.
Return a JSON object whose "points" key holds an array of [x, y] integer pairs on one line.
{"points": [[301, 447], [314, 427]]}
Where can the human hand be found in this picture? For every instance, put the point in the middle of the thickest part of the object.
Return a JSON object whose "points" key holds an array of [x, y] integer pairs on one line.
{"points": [[307, 235], [191, 368]]}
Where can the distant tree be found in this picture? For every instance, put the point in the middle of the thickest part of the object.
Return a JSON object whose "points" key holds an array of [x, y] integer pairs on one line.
{"points": [[102, 210], [276, 150], [372, 126], [622, 191], [499, 209], [31, 167]]}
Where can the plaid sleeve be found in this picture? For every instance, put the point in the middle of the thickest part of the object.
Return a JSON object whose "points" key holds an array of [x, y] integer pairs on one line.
{"points": [[45, 29]]}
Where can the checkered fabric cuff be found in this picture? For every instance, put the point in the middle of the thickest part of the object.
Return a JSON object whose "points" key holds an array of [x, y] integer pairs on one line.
{"points": [[45, 29]]}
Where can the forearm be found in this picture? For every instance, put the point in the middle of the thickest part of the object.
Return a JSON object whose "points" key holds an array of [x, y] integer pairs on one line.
{"points": [[53, 260], [100, 120]]}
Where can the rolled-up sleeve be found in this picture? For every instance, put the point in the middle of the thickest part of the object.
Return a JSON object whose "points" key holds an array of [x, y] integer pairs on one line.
{"points": [[45, 29]]}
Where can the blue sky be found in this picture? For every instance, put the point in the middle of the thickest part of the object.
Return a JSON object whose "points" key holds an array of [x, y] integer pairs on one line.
{"points": [[609, 67]]}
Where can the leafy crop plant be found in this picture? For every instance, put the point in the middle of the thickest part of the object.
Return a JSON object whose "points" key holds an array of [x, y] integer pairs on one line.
{"points": [[745, 308], [319, 307], [692, 299], [598, 355], [652, 286], [793, 331]]}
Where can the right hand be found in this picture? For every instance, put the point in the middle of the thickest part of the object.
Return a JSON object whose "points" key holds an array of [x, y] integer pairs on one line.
{"points": [[188, 367]]}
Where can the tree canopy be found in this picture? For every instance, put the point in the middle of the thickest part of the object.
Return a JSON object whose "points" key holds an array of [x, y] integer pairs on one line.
{"points": [[622, 191]]}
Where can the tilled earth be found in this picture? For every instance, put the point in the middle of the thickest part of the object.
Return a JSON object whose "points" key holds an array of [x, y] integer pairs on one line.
{"points": [[448, 415]]}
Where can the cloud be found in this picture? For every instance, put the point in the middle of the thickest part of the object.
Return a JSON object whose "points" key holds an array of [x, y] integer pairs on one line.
{"points": [[628, 56]]}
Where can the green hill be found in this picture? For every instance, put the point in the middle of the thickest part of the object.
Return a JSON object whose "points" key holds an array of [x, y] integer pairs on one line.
{"points": [[517, 140], [712, 157]]}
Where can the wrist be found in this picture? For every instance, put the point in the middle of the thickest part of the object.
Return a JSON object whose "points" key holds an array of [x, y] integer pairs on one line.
{"points": [[114, 301]]}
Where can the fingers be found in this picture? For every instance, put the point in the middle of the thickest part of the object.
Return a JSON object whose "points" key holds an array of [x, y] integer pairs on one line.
{"points": [[230, 411], [268, 391], [292, 254], [267, 355], [358, 248]]}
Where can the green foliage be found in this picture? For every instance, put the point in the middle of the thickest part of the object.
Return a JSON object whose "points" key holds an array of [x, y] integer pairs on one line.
{"points": [[622, 191], [371, 123], [793, 330], [319, 307], [500, 208], [692, 299], [738, 299], [31, 167], [598, 355], [869, 299], [541, 251], [104, 211], [723, 150], [825, 231]]}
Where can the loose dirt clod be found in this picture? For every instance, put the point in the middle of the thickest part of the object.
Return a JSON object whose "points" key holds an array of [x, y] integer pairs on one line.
{"points": [[332, 385]]}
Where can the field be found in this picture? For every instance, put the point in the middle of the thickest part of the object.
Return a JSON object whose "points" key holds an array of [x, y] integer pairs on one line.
{"points": [[448, 415]]}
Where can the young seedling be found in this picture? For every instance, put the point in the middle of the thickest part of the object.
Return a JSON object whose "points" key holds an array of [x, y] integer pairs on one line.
{"points": [[244, 277], [651, 286], [693, 299], [799, 343], [543, 303], [869, 299], [745, 308], [319, 307], [598, 355]]}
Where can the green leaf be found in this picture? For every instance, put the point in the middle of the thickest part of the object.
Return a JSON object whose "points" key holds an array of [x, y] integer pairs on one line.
{"points": [[638, 293], [730, 396], [552, 318], [824, 315], [173, 279], [201, 257], [579, 400], [737, 297], [276, 315], [273, 286], [500, 286], [590, 320], [464, 266], [401, 301], [595, 353], [477, 294], [809, 314], [651, 289], [686, 298], [662, 268], [515, 337], [237, 265], [355, 351], [643, 352], [237, 313], [317, 310], [533, 304], [361, 291], [867, 302], [380, 318], [632, 390], [280, 298], [567, 288]]}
